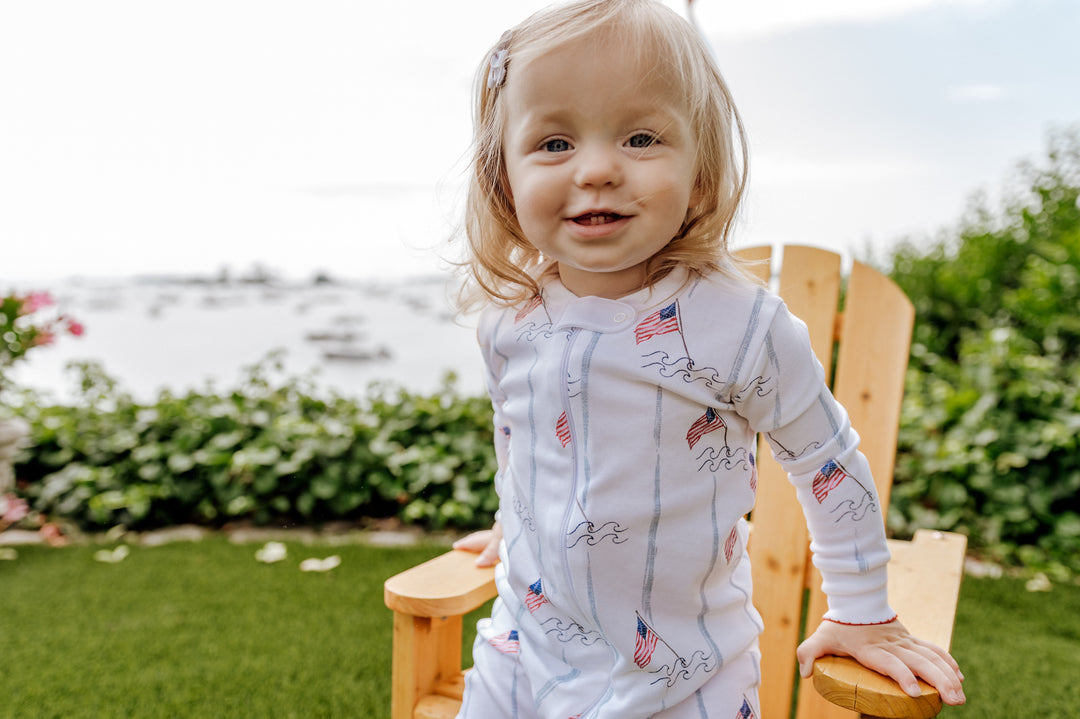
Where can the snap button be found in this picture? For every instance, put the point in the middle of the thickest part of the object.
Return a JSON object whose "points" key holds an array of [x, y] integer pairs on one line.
{"points": [[619, 317]]}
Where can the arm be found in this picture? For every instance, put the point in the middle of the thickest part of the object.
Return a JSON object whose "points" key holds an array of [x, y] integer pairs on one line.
{"points": [[811, 436], [486, 542]]}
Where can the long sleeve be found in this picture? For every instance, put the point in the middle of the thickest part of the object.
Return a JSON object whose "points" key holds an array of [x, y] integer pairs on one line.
{"points": [[811, 436], [493, 365]]}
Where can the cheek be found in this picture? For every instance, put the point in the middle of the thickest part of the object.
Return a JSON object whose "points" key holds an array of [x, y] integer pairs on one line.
{"points": [[531, 196], [677, 197]]}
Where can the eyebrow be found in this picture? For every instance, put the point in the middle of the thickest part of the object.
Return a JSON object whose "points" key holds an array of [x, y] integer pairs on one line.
{"points": [[649, 115]]}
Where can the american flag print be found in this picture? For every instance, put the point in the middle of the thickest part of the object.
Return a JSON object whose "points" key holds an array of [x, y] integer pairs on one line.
{"points": [[827, 479], [729, 545], [745, 711], [644, 644], [529, 306], [534, 598], [507, 643], [562, 429], [661, 322], [708, 422]]}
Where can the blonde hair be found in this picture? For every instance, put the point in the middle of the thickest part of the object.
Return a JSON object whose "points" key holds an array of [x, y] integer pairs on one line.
{"points": [[502, 265]]}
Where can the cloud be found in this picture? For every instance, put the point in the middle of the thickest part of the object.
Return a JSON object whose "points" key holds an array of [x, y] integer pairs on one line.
{"points": [[772, 170], [773, 16], [978, 92]]}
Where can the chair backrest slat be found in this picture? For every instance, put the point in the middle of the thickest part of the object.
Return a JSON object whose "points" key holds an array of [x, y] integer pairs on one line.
{"points": [[874, 346]]}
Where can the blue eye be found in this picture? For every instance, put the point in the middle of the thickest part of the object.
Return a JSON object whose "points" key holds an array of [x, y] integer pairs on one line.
{"points": [[641, 140], [556, 145]]}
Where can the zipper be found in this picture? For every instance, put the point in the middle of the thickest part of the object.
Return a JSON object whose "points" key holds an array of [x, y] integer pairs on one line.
{"points": [[572, 499]]}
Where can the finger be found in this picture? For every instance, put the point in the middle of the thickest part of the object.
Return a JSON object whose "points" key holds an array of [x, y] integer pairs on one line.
{"points": [[932, 668], [475, 542], [489, 557], [903, 664], [944, 661], [807, 652], [944, 655], [889, 664]]}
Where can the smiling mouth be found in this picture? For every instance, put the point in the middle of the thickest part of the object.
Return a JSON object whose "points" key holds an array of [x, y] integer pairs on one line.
{"points": [[591, 219]]}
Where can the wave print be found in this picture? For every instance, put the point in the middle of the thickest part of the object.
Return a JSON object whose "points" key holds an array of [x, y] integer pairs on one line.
{"points": [[569, 631], [855, 511], [594, 535], [717, 458], [682, 670], [573, 387], [759, 386], [530, 331], [785, 453], [684, 367], [525, 515]]}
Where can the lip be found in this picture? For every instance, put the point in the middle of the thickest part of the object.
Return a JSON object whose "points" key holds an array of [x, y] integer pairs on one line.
{"points": [[612, 222]]}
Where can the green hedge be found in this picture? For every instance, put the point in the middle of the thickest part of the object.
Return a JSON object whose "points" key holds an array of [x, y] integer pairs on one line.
{"points": [[988, 441], [265, 451]]}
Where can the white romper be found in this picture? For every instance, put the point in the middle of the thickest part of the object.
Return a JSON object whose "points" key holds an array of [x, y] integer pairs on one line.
{"points": [[625, 431]]}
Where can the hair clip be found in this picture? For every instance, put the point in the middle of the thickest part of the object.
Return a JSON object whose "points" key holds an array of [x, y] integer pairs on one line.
{"points": [[497, 64]]}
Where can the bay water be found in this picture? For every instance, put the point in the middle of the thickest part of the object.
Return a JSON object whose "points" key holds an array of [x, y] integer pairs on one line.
{"points": [[153, 334]]}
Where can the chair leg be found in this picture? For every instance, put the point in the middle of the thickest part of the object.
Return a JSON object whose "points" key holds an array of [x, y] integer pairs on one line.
{"points": [[427, 650]]}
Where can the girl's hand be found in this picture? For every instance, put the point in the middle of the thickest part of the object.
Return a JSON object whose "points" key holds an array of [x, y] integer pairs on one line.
{"points": [[485, 542], [890, 650]]}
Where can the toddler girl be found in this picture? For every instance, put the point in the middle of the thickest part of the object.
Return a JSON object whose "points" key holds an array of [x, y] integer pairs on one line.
{"points": [[631, 364]]}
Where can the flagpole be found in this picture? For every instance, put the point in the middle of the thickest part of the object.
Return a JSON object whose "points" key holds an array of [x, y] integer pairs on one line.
{"points": [[657, 635], [690, 16], [692, 19], [682, 335]]}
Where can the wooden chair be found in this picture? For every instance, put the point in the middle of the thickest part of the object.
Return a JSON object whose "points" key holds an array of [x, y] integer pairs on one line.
{"points": [[871, 339]]}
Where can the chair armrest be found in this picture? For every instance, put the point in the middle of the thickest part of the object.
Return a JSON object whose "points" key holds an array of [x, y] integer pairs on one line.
{"points": [[448, 585], [924, 587]]}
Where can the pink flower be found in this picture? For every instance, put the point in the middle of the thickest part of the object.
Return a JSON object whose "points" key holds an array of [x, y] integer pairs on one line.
{"points": [[36, 300], [14, 508], [44, 339], [75, 328], [53, 535]]}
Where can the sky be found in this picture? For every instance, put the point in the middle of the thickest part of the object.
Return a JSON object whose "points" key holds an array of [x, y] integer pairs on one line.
{"points": [[152, 137]]}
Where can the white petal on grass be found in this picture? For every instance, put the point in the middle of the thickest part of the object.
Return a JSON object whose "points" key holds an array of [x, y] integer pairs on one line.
{"points": [[112, 556], [272, 552], [1039, 583], [320, 565]]}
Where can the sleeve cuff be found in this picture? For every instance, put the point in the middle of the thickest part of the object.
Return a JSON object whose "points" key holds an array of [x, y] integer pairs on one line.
{"points": [[860, 609], [862, 624]]}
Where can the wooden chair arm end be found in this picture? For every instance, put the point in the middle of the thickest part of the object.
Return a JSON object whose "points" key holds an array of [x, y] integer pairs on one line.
{"points": [[846, 683], [448, 585]]}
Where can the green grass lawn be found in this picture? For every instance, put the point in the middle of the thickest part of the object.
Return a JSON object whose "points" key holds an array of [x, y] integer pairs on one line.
{"points": [[196, 630], [203, 630], [1019, 650]]}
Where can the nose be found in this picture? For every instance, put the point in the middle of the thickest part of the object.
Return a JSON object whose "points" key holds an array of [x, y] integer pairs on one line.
{"points": [[597, 166]]}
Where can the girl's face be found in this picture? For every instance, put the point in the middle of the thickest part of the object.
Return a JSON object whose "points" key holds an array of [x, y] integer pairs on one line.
{"points": [[601, 161]]}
